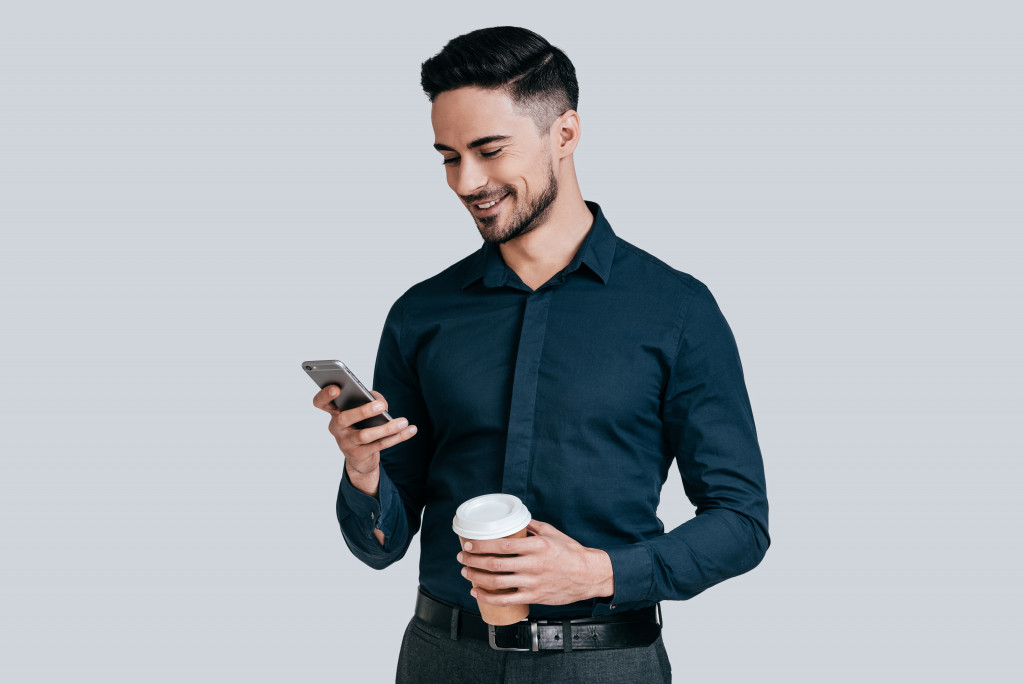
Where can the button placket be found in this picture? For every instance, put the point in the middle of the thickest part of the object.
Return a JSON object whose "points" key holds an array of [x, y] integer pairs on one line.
{"points": [[519, 444]]}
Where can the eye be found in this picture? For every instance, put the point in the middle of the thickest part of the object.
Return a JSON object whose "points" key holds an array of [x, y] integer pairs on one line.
{"points": [[493, 153], [449, 160]]}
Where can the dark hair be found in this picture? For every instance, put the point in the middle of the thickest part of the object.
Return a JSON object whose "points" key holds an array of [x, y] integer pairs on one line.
{"points": [[537, 76]]}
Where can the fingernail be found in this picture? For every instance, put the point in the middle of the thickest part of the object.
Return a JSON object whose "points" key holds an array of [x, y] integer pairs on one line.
{"points": [[331, 391], [402, 422], [468, 546], [472, 592], [412, 430], [465, 573], [459, 558], [378, 406]]}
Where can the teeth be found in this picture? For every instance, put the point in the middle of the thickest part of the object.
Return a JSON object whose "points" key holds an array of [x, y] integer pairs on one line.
{"points": [[488, 205]]}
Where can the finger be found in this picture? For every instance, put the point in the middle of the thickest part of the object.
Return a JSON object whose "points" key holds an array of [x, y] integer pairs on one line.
{"points": [[324, 399], [382, 444], [517, 545], [372, 434], [341, 432], [512, 598], [378, 395], [367, 410], [495, 563], [542, 528], [491, 580]]}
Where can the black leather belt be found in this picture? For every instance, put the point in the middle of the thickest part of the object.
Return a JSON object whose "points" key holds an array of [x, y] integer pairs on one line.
{"points": [[627, 629]]}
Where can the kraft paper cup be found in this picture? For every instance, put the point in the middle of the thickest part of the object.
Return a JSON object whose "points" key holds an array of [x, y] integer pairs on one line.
{"points": [[493, 516]]}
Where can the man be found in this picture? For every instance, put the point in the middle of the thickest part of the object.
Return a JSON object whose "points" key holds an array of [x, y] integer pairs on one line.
{"points": [[560, 364]]}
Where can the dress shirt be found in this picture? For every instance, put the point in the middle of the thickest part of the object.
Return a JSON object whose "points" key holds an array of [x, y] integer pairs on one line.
{"points": [[575, 397]]}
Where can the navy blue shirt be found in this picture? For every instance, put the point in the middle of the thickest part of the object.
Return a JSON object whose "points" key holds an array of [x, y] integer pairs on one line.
{"points": [[576, 397]]}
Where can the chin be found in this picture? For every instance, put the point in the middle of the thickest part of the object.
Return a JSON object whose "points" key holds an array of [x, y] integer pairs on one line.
{"points": [[489, 236], [493, 231]]}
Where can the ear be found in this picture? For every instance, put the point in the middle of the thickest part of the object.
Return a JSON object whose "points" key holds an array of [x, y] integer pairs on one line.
{"points": [[565, 132]]}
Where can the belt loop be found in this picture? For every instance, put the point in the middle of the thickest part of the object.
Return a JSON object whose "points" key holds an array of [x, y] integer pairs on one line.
{"points": [[455, 623], [566, 636]]}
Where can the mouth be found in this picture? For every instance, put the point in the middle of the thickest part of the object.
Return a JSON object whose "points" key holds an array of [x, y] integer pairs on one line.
{"points": [[485, 209]]}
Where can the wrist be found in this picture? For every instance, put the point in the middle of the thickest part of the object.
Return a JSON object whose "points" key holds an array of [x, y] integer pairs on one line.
{"points": [[367, 482], [601, 575]]}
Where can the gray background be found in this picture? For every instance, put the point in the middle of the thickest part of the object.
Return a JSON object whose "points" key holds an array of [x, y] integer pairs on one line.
{"points": [[198, 196]]}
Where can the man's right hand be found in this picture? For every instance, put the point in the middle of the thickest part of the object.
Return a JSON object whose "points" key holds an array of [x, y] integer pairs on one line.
{"points": [[362, 447]]}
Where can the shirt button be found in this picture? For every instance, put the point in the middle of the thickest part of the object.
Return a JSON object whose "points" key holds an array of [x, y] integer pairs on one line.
{"points": [[613, 607], [372, 516]]}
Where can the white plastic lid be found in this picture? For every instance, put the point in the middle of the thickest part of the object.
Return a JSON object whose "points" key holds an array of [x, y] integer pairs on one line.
{"points": [[491, 516]]}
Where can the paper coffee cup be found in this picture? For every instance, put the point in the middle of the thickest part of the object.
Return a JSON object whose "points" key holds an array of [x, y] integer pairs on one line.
{"points": [[493, 516]]}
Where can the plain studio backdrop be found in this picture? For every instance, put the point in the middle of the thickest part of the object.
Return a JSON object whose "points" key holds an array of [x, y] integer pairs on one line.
{"points": [[196, 197]]}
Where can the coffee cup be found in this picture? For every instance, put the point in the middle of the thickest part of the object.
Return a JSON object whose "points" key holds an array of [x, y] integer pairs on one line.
{"points": [[493, 516]]}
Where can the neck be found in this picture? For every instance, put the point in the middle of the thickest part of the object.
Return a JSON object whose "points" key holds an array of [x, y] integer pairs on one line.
{"points": [[548, 248]]}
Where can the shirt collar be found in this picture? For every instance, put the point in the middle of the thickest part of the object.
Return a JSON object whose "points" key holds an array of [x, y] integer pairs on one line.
{"points": [[596, 253]]}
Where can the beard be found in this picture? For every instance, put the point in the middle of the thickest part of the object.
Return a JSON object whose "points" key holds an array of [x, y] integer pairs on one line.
{"points": [[524, 218]]}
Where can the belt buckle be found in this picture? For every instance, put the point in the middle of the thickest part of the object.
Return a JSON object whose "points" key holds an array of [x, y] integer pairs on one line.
{"points": [[534, 639]]}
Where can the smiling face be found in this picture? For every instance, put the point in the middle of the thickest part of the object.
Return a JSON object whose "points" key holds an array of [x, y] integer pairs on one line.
{"points": [[496, 161]]}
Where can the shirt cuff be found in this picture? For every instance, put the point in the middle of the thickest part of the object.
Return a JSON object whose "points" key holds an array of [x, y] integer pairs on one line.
{"points": [[371, 512], [633, 571]]}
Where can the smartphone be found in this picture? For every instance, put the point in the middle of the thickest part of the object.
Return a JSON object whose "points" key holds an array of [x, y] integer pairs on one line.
{"points": [[353, 393]]}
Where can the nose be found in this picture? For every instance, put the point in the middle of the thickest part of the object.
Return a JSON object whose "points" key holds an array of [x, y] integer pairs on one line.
{"points": [[467, 177]]}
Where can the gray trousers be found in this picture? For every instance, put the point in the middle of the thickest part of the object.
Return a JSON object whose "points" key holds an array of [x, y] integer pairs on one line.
{"points": [[430, 656]]}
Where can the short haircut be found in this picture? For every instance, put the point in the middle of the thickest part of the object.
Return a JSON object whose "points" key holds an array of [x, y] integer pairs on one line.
{"points": [[538, 77]]}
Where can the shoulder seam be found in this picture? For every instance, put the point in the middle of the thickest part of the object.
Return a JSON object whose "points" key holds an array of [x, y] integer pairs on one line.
{"points": [[681, 276], [682, 315], [449, 272]]}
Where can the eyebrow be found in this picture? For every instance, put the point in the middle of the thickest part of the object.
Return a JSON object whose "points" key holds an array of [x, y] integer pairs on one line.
{"points": [[476, 143]]}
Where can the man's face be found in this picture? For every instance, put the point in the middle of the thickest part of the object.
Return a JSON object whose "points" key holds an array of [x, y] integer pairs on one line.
{"points": [[492, 152]]}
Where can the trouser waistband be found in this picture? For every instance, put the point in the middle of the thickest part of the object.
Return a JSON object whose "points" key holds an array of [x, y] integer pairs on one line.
{"points": [[627, 629]]}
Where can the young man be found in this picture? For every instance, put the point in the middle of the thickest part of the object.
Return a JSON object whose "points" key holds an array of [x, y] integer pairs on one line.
{"points": [[560, 364]]}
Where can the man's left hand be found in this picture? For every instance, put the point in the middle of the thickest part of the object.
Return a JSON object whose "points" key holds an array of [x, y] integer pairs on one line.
{"points": [[548, 568]]}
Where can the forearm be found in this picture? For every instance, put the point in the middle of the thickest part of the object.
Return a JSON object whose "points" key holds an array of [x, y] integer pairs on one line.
{"points": [[715, 545]]}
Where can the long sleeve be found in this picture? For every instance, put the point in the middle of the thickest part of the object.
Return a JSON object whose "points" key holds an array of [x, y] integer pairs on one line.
{"points": [[710, 427], [403, 467]]}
